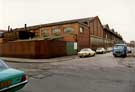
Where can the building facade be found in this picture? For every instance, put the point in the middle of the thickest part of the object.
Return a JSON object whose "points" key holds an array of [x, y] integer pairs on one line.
{"points": [[111, 37], [86, 32]]}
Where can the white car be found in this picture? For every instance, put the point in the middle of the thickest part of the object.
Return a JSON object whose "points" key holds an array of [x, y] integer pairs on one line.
{"points": [[100, 50], [109, 49], [129, 49], [86, 52]]}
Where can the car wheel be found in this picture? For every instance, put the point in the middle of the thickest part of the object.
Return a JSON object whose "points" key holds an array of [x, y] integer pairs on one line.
{"points": [[80, 56], [125, 55], [114, 55]]}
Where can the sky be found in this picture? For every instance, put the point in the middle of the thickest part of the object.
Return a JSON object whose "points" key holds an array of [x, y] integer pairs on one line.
{"points": [[119, 14]]}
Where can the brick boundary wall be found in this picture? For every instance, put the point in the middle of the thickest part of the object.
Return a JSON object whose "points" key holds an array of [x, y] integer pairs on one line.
{"points": [[33, 49]]}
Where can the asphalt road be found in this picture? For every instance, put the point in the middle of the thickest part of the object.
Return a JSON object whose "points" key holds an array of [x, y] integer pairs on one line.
{"points": [[102, 73]]}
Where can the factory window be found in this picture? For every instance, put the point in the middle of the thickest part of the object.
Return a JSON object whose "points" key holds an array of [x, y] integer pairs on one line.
{"points": [[45, 32], [56, 31], [91, 28], [81, 29], [36, 34], [68, 30], [106, 36]]}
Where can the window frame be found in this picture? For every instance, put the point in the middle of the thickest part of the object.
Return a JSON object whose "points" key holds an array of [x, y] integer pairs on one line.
{"points": [[72, 29], [81, 28], [56, 33], [45, 32], [3, 65]]}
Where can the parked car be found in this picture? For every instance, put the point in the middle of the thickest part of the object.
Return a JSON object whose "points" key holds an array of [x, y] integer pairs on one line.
{"points": [[120, 50], [100, 50], [86, 52], [129, 49], [109, 49], [11, 79]]}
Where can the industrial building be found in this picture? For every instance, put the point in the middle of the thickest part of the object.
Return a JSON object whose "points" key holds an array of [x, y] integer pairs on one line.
{"points": [[86, 32], [111, 37]]}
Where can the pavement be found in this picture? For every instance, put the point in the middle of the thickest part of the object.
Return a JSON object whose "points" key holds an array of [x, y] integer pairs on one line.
{"points": [[25, 60], [58, 59]]}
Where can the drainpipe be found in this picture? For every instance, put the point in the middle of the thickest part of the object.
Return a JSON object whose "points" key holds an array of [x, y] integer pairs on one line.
{"points": [[89, 34], [11, 29]]}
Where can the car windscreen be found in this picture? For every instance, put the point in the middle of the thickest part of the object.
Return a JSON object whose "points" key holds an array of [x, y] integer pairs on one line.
{"points": [[85, 50], [99, 48], [3, 65], [118, 47]]}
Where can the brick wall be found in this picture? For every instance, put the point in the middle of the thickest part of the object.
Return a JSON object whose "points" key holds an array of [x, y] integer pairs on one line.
{"points": [[67, 36], [84, 38], [33, 49]]}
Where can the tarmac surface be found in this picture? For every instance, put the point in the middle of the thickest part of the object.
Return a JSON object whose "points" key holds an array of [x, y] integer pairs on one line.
{"points": [[102, 73]]}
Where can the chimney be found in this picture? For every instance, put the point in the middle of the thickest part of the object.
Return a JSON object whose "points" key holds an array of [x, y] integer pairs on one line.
{"points": [[25, 27], [11, 29], [8, 28]]}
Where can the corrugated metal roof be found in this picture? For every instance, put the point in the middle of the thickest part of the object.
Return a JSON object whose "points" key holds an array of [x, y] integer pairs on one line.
{"points": [[106, 26], [55, 23]]}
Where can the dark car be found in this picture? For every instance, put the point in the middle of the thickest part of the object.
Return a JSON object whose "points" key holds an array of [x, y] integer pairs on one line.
{"points": [[120, 50]]}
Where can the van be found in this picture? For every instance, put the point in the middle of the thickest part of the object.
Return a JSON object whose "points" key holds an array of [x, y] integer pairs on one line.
{"points": [[120, 50]]}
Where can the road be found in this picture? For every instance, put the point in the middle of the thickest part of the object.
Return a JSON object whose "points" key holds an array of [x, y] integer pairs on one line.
{"points": [[102, 73]]}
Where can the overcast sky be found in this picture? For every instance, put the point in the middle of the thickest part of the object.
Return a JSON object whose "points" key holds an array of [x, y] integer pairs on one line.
{"points": [[119, 14]]}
